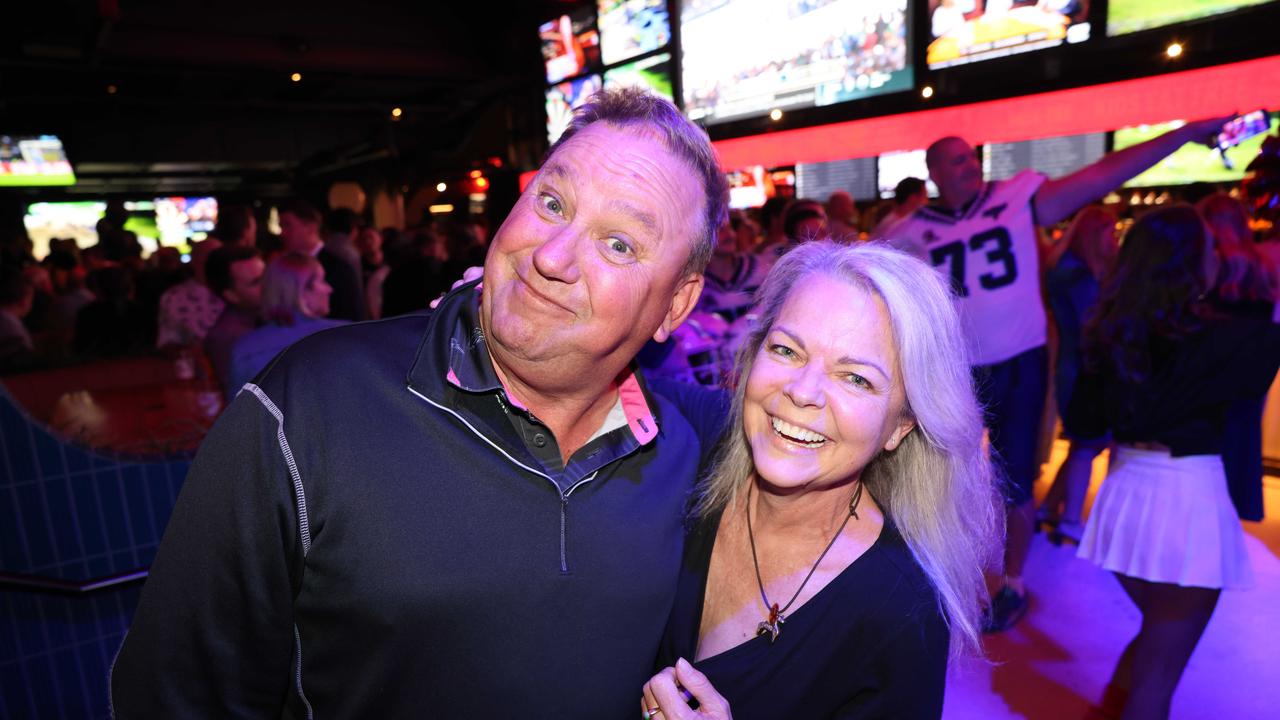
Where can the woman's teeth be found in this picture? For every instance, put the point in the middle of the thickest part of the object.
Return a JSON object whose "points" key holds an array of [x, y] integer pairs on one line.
{"points": [[799, 435]]}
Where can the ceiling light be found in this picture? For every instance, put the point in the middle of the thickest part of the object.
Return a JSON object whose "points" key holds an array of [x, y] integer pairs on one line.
{"points": [[1174, 50], [296, 77], [440, 187], [396, 112], [775, 115], [926, 92]]}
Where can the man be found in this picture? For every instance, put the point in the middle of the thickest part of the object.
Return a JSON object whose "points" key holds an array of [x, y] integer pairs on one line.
{"points": [[300, 233], [189, 309], [341, 225], [842, 217], [909, 195], [472, 512], [234, 274], [17, 295], [983, 234]]}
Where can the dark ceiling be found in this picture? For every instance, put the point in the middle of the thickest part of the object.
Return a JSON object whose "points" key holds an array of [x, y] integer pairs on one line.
{"points": [[179, 95]]}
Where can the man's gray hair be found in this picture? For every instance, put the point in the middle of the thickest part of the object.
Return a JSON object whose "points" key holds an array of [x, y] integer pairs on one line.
{"points": [[629, 107]]}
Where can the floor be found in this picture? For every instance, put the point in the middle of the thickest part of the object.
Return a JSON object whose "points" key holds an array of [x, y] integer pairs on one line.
{"points": [[1055, 663]]}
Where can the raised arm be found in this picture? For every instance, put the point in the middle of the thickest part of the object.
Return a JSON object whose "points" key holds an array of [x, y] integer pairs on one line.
{"points": [[1059, 199]]}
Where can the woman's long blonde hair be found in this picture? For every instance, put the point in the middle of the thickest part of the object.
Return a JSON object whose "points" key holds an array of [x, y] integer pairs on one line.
{"points": [[938, 486]]}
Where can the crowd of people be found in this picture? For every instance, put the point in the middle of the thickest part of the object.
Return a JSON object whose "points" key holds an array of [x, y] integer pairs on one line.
{"points": [[82, 304], [447, 509]]}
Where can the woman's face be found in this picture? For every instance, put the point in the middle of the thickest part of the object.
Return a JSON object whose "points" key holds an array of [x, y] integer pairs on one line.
{"points": [[315, 296], [825, 393]]}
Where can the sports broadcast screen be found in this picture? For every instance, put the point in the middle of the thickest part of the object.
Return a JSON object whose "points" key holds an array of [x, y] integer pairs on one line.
{"points": [[1055, 156], [1128, 16], [744, 58], [563, 98], [78, 221], [33, 160], [632, 27], [181, 219], [570, 44], [652, 73], [892, 168], [965, 31], [1192, 162]]}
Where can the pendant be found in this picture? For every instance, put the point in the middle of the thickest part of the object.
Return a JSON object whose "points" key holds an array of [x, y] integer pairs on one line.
{"points": [[772, 625]]}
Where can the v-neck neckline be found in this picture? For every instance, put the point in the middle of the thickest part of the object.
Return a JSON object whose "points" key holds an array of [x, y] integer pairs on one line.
{"points": [[714, 529]]}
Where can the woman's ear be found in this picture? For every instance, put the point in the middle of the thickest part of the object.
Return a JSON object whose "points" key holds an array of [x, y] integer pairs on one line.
{"points": [[904, 428]]}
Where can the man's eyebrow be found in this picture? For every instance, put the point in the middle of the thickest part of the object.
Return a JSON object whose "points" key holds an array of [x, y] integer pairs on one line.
{"points": [[555, 169], [644, 217]]}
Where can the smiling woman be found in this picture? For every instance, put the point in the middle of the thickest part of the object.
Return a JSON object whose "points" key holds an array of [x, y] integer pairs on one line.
{"points": [[838, 547]]}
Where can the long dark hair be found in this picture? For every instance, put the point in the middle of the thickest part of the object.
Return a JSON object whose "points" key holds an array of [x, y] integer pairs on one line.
{"points": [[1155, 290]]}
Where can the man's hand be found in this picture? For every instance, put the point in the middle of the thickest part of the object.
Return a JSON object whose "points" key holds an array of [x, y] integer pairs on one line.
{"points": [[1059, 199], [667, 695], [471, 273]]}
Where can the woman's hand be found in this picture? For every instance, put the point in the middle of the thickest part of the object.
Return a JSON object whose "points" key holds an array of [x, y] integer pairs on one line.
{"points": [[667, 694], [471, 273]]}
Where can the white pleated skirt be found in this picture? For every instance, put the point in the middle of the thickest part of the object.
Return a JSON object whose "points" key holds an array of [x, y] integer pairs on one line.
{"points": [[1167, 520]]}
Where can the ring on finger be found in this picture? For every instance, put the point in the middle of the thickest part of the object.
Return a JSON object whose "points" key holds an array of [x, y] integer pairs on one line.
{"points": [[651, 713]]}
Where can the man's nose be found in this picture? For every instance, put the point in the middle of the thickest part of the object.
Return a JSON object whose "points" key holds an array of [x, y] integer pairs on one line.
{"points": [[557, 257]]}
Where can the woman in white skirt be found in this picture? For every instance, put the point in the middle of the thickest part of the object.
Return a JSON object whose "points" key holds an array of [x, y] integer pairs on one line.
{"points": [[1162, 367]]}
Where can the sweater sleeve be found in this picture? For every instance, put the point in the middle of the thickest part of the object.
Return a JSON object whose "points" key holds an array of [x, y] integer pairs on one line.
{"points": [[213, 635], [707, 409]]}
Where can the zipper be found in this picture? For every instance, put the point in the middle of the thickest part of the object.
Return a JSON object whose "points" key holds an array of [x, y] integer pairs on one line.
{"points": [[564, 495]]}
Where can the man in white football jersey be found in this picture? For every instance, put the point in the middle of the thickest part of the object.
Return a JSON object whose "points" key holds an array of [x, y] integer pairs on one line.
{"points": [[983, 235]]}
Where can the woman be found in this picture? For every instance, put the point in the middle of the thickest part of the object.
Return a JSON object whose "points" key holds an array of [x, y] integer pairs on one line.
{"points": [[838, 547], [1162, 367], [1246, 285], [1072, 287], [295, 301]]}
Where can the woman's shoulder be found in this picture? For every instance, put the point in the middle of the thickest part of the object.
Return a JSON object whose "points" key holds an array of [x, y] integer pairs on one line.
{"points": [[904, 590]]}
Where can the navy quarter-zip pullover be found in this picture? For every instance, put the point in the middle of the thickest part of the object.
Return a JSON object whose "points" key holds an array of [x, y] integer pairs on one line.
{"points": [[366, 533]]}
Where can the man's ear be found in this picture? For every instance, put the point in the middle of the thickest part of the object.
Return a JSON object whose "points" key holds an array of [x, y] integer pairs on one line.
{"points": [[682, 303]]}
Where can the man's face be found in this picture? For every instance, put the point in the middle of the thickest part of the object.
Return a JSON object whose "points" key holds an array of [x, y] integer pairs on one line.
{"points": [[246, 284], [298, 235], [956, 171], [589, 264], [840, 207]]}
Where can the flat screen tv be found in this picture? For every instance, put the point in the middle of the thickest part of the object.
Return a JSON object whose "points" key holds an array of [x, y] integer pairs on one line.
{"points": [[632, 27], [34, 161], [652, 73], [816, 181], [563, 98], [181, 220], [894, 167], [747, 187], [965, 31], [1192, 162], [744, 58], [1055, 156], [571, 44], [78, 221], [1128, 16]]}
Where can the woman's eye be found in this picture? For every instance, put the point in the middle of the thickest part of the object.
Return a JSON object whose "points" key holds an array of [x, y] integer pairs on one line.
{"points": [[782, 351], [856, 379], [619, 246], [551, 203]]}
